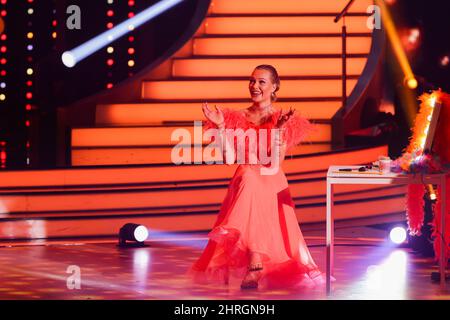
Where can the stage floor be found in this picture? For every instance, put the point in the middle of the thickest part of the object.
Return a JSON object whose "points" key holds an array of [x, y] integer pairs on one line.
{"points": [[366, 268]]}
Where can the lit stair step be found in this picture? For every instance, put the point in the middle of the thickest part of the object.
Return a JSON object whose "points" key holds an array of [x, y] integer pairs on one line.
{"points": [[97, 225], [233, 67], [285, 6], [238, 89], [282, 25], [155, 136], [236, 46], [151, 113], [365, 193], [126, 176], [127, 155], [149, 198]]}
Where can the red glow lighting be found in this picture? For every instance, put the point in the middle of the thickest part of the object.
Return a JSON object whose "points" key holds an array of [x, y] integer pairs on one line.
{"points": [[28, 107], [130, 14], [29, 95], [3, 61], [131, 3], [130, 50], [109, 25], [3, 13], [109, 85], [131, 38], [3, 73], [3, 49], [29, 83], [3, 37], [110, 62], [414, 35], [444, 61], [110, 13]]}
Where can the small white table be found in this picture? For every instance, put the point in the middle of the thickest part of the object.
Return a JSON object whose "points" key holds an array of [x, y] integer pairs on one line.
{"points": [[334, 176]]}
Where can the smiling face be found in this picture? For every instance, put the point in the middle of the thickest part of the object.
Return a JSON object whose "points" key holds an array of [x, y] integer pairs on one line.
{"points": [[261, 86]]}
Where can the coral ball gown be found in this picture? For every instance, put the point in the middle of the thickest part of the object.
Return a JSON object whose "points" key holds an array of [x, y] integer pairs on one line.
{"points": [[257, 215]]}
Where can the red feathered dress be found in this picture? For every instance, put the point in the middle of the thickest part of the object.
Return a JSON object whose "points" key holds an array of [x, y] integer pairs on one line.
{"points": [[257, 215]]}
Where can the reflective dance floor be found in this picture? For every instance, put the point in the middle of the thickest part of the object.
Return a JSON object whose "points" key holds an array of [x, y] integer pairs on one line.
{"points": [[366, 268]]}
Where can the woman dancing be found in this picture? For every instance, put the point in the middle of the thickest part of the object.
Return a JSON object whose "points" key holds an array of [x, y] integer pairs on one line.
{"points": [[256, 235]]}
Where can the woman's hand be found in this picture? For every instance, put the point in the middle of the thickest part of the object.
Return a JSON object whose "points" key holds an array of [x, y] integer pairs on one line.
{"points": [[215, 116], [284, 117]]}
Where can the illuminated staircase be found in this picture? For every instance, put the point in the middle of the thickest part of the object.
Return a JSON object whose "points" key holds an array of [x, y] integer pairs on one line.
{"points": [[298, 37]]}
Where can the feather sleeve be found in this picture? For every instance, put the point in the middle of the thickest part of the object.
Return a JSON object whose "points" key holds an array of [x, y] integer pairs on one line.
{"points": [[296, 130], [233, 119]]}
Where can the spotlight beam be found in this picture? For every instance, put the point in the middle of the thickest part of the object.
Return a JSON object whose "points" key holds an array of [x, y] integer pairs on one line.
{"points": [[397, 45], [72, 57]]}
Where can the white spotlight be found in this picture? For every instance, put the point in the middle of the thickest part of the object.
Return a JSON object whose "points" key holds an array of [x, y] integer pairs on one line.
{"points": [[397, 235], [68, 59], [136, 233], [89, 47]]}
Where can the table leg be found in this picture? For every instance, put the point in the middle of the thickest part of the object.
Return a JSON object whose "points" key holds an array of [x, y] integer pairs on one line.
{"points": [[330, 236], [443, 260]]}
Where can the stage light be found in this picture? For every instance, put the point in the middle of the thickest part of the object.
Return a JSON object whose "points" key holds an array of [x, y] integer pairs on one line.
{"points": [[2, 97], [133, 232], [444, 61], [397, 235], [30, 71], [131, 63], [130, 50], [414, 35], [30, 11], [431, 192], [86, 49], [68, 59], [411, 83], [30, 47]]}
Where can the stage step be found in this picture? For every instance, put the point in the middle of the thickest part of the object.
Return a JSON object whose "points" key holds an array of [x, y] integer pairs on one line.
{"points": [[129, 176], [152, 113], [281, 24], [73, 202], [286, 6], [238, 89], [157, 136], [126, 155], [280, 45], [242, 67]]}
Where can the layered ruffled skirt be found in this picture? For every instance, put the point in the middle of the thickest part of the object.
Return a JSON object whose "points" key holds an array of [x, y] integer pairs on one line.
{"points": [[257, 215]]}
